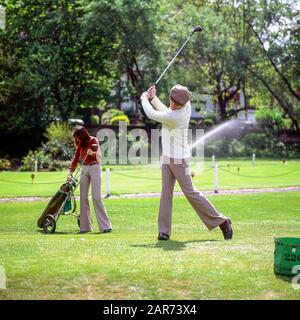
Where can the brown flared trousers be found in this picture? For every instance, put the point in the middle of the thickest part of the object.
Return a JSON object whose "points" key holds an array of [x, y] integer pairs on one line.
{"points": [[172, 170], [91, 175]]}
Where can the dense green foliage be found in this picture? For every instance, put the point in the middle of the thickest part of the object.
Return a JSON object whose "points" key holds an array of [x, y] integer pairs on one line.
{"points": [[55, 153], [115, 120], [58, 58]]}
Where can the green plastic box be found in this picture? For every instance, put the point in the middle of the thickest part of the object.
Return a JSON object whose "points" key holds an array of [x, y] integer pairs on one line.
{"points": [[286, 256]]}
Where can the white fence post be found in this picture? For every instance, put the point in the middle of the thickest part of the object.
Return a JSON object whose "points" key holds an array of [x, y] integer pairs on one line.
{"points": [[108, 193], [35, 166], [2, 18], [216, 179], [2, 278], [213, 161], [253, 159]]}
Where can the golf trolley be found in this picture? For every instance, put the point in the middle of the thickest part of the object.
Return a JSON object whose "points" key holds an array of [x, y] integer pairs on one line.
{"points": [[62, 203]]}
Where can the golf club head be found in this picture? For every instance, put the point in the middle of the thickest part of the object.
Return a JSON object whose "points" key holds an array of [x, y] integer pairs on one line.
{"points": [[197, 29]]}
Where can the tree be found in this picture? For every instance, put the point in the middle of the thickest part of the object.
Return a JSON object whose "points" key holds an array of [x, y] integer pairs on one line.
{"points": [[274, 57], [61, 61], [211, 63], [52, 66], [135, 22]]}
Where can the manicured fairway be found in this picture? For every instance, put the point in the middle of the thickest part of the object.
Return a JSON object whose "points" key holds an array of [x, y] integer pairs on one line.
{"points": [[130, 263], [137, 179]]}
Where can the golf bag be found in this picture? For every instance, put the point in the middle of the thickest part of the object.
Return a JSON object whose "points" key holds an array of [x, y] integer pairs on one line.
{"points": [[62, 203]]}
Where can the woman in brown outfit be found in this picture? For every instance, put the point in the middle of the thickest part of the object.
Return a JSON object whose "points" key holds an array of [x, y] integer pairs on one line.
{"points": [[88, 150]]}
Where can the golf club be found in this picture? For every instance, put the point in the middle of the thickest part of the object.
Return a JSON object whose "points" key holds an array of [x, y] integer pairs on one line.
{"points": [[195, 29]]}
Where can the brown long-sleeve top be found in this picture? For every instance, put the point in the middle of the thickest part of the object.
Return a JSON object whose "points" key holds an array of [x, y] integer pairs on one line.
{"points": [[81, 154]]}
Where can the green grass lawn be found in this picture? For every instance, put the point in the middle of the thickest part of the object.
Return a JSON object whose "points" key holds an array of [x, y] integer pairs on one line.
{"points": [[134, 179], [130, 263]]}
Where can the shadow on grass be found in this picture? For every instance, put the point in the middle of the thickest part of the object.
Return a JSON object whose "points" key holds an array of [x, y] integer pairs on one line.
{"points": [[57, 233], [74, 233], [171, 245], [284, 278]]}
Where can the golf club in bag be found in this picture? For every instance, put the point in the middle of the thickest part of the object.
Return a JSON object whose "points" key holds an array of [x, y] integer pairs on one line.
{"points": [[195, 29]]}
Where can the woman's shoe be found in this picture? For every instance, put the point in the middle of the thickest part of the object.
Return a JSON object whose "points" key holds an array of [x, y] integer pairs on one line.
{"points": [[107, 231], [163, 236]]}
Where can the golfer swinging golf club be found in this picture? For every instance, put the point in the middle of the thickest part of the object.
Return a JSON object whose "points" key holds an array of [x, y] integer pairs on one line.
{"points": [[176, 154], [88, 150]]}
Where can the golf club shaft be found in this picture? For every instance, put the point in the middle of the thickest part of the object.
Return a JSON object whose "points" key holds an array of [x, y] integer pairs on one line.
{"points": [[80, 169], [187, 40]]}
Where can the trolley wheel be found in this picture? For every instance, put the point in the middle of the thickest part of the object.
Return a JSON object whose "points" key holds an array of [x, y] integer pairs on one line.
{"points": [[49, 224], [78, 222]]}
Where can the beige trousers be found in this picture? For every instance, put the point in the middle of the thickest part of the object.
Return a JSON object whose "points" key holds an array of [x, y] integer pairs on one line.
{"points": [[91, 175], [172, 171]]}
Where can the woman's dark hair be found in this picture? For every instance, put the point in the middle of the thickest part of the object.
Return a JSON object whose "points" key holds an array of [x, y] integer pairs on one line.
{"points": [[82, 136]]}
